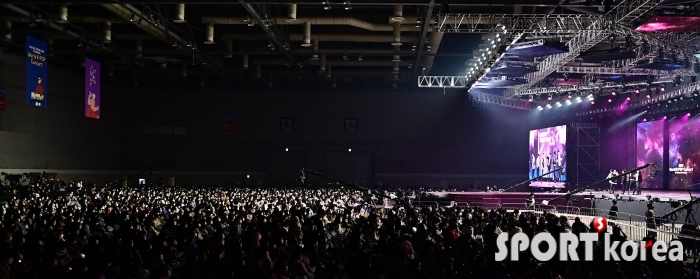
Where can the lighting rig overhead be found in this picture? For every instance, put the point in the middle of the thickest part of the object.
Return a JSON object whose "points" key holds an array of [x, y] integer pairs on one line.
{"points": [[490, 53]]}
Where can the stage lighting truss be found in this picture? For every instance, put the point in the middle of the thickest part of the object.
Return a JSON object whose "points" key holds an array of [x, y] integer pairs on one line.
{"points": [[534, 24], [622, 71], [442, 81], [608, 86], [687, 92], [498, 43], [499, 100], [621, 15], [669, 43]]}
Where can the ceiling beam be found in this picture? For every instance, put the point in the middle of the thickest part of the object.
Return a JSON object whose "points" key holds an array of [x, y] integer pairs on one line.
{"points": [[417, 65], [320, 4], [269, 31], [73, 31]]}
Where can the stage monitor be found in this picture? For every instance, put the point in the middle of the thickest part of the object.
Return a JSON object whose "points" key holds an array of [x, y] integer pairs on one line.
{"points": [[670, 24], [650, 150], [547, 154], [684, 153]]}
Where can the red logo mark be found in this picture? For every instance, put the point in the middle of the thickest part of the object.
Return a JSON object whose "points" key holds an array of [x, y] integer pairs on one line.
{"points": [[649, 243], [600, 224]]}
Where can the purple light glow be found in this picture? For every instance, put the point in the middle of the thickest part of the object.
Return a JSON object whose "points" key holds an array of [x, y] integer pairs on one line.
{"points": [[628, 98], [592, 102], [674, 24], [644, 120], [648, 96], [614, 94], [687, 114], [609, 100], [664, 117]]}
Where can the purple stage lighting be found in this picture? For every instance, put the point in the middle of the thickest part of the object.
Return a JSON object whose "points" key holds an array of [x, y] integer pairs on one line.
{"points": [[644, 120], [628, 98], [613, 93], [664, 117], [592, 102], [648, 96], [670, 24]]}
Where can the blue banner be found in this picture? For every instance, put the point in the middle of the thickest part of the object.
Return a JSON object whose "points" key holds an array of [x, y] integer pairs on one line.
{"points": [[37, 68]]}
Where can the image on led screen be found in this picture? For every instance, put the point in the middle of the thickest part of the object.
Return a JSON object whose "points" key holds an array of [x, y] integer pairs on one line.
{"points": [[684, 153], [650, 149], [548, 153], [672, 24]]}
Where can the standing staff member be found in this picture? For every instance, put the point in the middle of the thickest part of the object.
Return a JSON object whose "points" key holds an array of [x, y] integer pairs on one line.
{"points": [[625, 182]]}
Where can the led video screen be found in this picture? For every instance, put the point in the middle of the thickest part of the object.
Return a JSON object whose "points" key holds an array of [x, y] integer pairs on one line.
{"points": [[548, 157], [650, 150], [684, 153], [670, 24]]}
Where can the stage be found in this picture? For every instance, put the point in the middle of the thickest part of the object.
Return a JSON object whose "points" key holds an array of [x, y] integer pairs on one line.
{"points": [[631, 207]]}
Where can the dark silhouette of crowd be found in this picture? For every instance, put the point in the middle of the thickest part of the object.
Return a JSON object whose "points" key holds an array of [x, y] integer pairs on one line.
{"points": [[275, 233]]}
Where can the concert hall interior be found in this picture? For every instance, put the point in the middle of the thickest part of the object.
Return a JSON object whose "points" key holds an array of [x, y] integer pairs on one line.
{"points": [[270, 124]]}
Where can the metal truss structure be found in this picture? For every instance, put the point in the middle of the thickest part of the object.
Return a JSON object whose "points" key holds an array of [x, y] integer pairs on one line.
{"points": [[499, 100], [442, 81], [535, 24], [622, 71], [586, 154], [594, 87], [665, 42], [622, 14], [685, 91]]}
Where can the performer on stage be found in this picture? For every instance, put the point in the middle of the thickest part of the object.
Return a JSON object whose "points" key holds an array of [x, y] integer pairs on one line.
{"points": [[625, 181], [612, 182], [638, 185]]}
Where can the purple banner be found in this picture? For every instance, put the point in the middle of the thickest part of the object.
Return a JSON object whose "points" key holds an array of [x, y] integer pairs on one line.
{"points": [[92, 89]]}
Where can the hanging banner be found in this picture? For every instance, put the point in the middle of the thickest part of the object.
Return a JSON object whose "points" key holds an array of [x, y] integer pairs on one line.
{"points": [[2, 98], [37, 68], [92, 89]]}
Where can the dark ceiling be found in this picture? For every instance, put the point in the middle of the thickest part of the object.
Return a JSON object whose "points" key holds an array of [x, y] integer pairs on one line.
{"points": [[274, 52]]}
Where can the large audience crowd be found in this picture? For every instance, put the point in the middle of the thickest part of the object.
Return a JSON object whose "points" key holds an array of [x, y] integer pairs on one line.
{"points": [[275, 233]]}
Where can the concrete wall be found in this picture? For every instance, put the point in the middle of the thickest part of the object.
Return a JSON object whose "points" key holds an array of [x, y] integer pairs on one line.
{"points": [[59, 137], [416, 138]]}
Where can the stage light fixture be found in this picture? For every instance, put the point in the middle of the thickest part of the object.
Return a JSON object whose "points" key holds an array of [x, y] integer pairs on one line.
{"points": [[664, 117], [549, 98], [592, 102], [539, 108], [286, 149], [349, 150], [609, 100], [549, 106], [648, 96], [644, 120], [614, 94], [687, 114]]}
